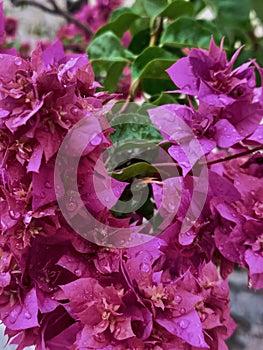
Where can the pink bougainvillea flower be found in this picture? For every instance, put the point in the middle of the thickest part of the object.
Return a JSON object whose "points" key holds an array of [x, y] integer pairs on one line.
{"points": [[208, 75]]}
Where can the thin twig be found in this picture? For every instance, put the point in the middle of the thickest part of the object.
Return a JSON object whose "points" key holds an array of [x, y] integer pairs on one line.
{"points": [[56, 10], [156, 32], [155, 35], [237, 155]]}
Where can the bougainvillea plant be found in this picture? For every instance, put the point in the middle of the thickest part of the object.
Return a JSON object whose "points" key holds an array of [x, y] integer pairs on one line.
{"points": [[156, 131]]}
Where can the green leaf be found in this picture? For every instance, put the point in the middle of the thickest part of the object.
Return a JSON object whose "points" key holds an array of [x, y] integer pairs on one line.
{"points": [[154, 7], [106, 46], [157, 86], [188, 32], [199, 5], [134, 134], [232, 18], [231, 12], [108, 72], [138, 169], [164, 98], [113, 76], [120, 22], [258, 7], [140, 41], [151, 63], [150, 67], [139, 25], [138, 7], [156, 69], [134, 127], [177, 9]]}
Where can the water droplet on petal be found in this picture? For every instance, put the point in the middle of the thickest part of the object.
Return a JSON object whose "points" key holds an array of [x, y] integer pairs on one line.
{"points": [[28, 315], [18, 61], [96, 140], [14, 215], [178, 299], [107, 199], [48, 184], [171, 206], [43, 194], [145, 267], [78, 272], [100, 338], [74, 110], [182, 311], [13, 316], [184, 324]]}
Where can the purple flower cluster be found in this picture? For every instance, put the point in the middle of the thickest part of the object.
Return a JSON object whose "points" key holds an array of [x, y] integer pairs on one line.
{"points": [[58, 290], [94, 16], [227, 122]]}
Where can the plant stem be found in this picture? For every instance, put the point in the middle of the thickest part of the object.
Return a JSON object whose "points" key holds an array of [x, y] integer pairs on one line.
{"points": [[56, 10], [156, 32], [155, 35], [237, 155]]}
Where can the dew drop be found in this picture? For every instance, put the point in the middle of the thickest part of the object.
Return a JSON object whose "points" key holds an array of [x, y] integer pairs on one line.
{"points": [[96, 140], [13, 316], [78, 272], [18, 61], [43, 194], [184, 324], [107, 199], [228, 115], [100, 338], [74, 110], [182, 311], [28, 315], [178, 299], [14, 215], [48, 184], [171, 206], [145, 267]]}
